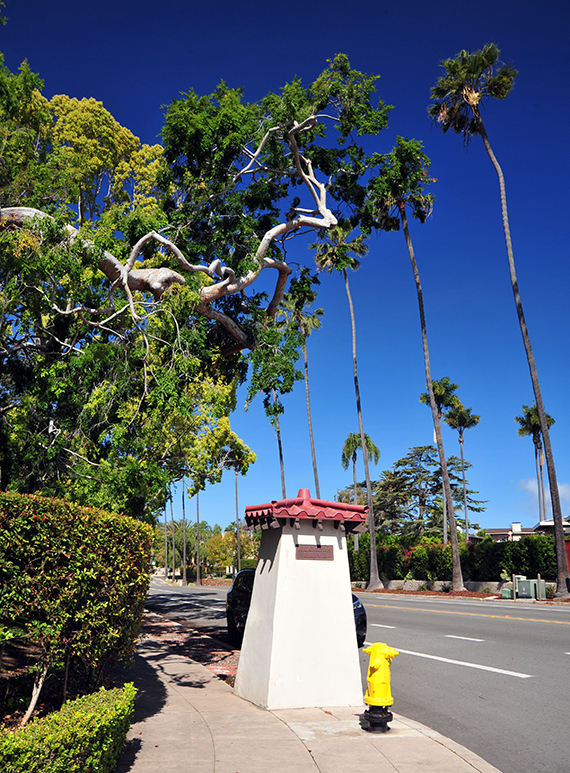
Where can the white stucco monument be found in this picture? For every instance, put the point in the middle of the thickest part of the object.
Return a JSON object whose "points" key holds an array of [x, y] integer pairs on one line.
{"points": [[299, 647]]}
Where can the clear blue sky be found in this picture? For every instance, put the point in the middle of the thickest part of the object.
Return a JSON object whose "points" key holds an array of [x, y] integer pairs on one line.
{"points": [[136, 58]]}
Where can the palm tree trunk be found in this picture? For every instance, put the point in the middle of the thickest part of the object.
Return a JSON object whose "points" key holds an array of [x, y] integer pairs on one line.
{"points": [[165, 545], [173, 542], [374, 580], [542, 485], [238, 548], [184, 577], [198, 578], [538, 489], [562, 580], [444, 501], [280, 447], [464, 489], [457, 573], [313, 455], [355, 496]]}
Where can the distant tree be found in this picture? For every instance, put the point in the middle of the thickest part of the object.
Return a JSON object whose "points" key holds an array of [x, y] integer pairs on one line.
{"points": [[460, 418], [349, 452], [401, 184], [443, 392], [530, 425], [338, 252], [471, 79]]}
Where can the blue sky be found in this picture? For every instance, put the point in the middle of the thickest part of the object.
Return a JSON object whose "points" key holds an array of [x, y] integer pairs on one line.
{"points": [[136, 59]]}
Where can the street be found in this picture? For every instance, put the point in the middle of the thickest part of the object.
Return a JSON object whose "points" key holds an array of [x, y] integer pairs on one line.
{"points": [[493, 676]]}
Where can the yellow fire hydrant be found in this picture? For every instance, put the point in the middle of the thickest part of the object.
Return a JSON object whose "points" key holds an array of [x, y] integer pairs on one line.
{"points": [[378, 695]]}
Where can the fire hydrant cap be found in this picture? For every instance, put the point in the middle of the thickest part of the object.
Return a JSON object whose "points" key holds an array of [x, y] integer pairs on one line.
{"points": [[379, 649]]}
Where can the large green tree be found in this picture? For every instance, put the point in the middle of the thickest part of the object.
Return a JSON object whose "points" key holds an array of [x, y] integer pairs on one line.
{"points": [[93, 289], [470, 80], [400, 185]]}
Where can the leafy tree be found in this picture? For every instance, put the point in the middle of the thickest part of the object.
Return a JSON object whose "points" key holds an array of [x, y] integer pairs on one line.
{"points": [[336, 251], [102, 307], [409, 495], [401, 183], [470, 79], [530, 425]]}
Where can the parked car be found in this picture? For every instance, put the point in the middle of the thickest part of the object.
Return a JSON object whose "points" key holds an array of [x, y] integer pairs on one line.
{"points": [[239, 599]]}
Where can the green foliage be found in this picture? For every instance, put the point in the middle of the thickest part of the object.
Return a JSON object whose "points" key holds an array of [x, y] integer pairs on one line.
{"points": [[432, 560], [73, 579], [88, 734], [400, 182], [470, 78]]}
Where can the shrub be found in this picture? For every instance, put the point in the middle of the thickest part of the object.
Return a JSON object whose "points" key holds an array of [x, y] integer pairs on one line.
{"points": [[88, 734], [74, 579]]}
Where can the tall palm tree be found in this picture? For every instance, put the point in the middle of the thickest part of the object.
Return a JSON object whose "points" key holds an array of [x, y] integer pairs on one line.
{"points": [[469, 80], [530, 425], [295, 304], [349, 452], [337, 252], [399, 184], [444, 400], [460, 418]]}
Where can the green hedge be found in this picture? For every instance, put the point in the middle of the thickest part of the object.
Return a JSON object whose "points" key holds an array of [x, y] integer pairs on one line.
{"points": [[73, 580], [86, 736], [431, 561]]}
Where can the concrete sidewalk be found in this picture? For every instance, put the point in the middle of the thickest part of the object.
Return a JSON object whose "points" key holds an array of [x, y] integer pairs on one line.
{"points": [[186, 719]]}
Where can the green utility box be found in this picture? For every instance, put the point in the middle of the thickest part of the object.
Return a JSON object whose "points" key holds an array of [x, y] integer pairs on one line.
{"points": [[528, 589], [507, 593]]}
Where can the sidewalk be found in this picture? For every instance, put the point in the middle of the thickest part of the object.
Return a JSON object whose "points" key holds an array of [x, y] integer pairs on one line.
{"points": [[186, 719]]}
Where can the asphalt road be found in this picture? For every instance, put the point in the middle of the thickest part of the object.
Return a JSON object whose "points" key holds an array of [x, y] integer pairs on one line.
{"points": [[493, 676]]}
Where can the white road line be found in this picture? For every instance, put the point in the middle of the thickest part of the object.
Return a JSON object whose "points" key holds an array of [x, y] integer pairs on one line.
{"points": [[377, 625], [463, 638], [468, 665]]}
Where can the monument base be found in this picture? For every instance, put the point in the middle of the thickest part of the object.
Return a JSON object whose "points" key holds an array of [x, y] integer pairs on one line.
{"points": [[299, 647]]}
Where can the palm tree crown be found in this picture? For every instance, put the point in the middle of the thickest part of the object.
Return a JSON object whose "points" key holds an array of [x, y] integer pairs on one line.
{"points": [[469, 79]]}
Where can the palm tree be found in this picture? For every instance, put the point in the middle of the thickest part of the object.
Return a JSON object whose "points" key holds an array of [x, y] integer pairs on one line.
{"points": [[444, 400], [472, 78], [296, 303], [460, 418], [530, 425], [349, 451], [399, 184], [337, 252]]}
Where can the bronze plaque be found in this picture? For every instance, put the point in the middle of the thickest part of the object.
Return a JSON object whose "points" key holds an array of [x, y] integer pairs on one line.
{"points": [[314, 553]]}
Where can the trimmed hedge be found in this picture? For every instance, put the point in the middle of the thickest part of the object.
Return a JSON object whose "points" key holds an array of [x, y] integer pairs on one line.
{"points": [[431, 561], [73, 580], [86, 736]]}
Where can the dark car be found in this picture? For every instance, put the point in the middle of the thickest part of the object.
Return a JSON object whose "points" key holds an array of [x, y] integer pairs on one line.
{"points": [[239, 599]]}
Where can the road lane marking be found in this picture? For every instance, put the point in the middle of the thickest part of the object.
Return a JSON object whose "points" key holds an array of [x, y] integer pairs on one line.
{"points": [[465, 663], [469, 614], [463, 638], [377, 625]]}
